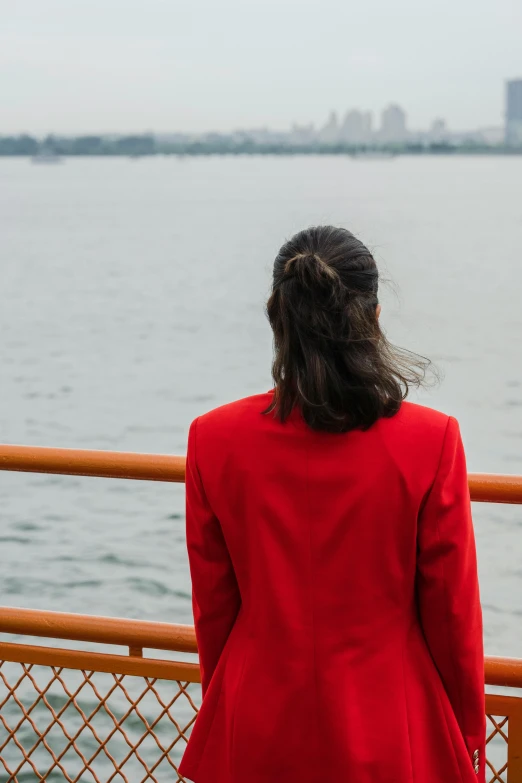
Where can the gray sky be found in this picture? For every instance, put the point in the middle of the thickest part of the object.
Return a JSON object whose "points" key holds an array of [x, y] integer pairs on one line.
{"points": [[118, 65]]}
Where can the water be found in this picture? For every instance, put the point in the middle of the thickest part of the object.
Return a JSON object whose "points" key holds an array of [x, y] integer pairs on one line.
{"points": [[132, 301]]}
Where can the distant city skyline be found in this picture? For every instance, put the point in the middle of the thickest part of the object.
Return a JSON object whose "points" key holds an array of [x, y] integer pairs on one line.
{"points": [[514, 112], [353, 131], [143, 65], [354, 126], [391, 125]]}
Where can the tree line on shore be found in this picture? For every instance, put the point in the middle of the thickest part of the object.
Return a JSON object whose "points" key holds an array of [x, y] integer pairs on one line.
{"points": [[148, 144]]}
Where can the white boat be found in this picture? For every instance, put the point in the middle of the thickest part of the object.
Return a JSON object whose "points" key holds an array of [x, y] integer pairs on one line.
{"points": [[374, 155], [46, 156]]}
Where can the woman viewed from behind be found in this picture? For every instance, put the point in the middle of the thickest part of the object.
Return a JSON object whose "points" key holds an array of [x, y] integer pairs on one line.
{"points": [[332, 554]]}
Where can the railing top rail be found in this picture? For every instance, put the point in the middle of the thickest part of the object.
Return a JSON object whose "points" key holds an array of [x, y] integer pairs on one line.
{"points": [[484, 487], [165, 636], [104, 630], [89, 462]]}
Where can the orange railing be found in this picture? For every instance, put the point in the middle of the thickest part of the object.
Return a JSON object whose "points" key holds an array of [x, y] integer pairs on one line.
{"points": [[484, 487], [125, 714]]}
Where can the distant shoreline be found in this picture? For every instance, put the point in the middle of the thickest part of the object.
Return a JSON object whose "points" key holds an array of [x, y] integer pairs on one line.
{"points": [[282, 153], [146, 145]]}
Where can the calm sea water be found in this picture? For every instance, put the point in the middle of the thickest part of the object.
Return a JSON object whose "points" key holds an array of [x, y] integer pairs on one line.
{"points": [[132, 300]]}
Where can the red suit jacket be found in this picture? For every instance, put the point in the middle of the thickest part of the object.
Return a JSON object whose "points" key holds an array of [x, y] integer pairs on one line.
{"points": [[335, 600]]}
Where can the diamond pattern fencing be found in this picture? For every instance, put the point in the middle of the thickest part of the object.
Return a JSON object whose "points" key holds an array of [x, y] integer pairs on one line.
{"points": [[504, 738], [60, 724], [497, 749]]}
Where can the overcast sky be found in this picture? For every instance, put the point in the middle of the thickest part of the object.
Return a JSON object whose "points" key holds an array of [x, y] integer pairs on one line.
{"points": [[137, 65]]}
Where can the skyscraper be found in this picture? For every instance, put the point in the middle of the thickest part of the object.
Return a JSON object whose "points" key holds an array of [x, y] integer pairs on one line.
{"points": [[329, 134], [393, 124], [438, 132], [357, 127], [514, 113]]}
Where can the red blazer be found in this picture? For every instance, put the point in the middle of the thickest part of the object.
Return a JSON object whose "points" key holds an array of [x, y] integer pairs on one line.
{"points": [[335, 600]]}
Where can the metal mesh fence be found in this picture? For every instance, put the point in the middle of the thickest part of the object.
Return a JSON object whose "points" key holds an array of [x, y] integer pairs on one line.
{"points": [[497, 748], [61, 724]]}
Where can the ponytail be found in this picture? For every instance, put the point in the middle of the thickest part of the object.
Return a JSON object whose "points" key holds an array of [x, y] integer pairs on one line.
{"points": [[331, 357]]}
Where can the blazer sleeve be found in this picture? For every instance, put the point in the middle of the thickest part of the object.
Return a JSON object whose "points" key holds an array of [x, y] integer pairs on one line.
{"points": [[215, 593], [448, 594]]}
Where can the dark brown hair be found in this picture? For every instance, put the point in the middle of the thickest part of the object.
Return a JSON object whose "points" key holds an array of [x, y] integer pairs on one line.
{"points": [[331, 357]]}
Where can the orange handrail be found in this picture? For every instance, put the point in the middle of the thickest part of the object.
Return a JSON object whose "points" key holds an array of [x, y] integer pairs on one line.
{"points": [[503, 671], [139, 634], [89, 462], [103, 630], [495, 488], [484, 487]]}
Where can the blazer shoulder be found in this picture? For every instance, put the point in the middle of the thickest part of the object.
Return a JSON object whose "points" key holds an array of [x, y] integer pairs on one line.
{"points": [[246, 409], [421, 417], [415, 436]]}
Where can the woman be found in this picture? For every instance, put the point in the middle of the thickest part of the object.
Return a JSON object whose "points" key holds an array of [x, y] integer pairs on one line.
{"points": [[332, 554]]}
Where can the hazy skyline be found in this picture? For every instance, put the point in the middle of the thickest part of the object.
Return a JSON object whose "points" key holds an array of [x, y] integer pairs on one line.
{"points": [[163, 65]]}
